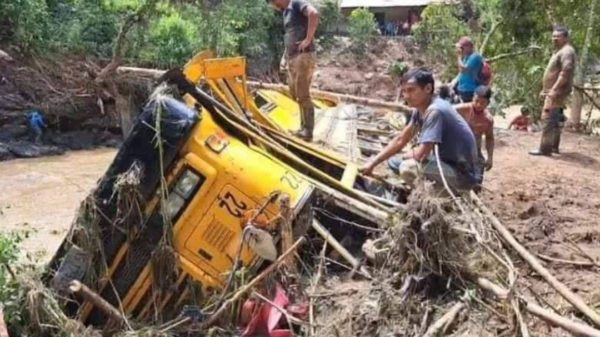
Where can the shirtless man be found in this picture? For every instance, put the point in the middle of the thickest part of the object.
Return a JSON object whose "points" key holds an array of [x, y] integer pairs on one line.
{"points": [[481, 122]]}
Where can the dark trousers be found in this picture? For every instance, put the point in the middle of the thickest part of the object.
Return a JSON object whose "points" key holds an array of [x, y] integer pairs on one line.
{"points": [[466, 96], [551, 130]]}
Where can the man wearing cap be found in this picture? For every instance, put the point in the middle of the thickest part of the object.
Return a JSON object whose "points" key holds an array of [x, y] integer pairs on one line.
{"points": [[300, 21], [435, 123], [557, 86], [470, 65]]}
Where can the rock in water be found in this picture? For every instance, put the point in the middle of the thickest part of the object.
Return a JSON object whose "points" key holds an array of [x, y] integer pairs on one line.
{"points": [[30, 150]]}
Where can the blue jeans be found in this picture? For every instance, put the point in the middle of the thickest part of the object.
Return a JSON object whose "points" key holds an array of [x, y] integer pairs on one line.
{"points": [[410, 169]]}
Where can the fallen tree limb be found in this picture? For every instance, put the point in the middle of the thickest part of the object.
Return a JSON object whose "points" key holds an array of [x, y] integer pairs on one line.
{"points": [[328, 95], [576, 328], [81, 289], [445, 320], [570, 296], [217, 314], [516, 53], [575, 263]]}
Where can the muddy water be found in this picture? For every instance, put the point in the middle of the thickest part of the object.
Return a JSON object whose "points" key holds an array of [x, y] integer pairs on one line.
{"points": [[40, 196]]}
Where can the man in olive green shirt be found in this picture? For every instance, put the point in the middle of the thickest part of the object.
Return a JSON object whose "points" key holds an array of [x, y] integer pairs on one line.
{"points": [[557, 86]]}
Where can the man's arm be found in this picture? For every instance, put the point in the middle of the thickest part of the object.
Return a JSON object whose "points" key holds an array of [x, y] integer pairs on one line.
{"points": [[489, 146], [420, 153], [462, 67], [463, 109], [395, 146], [512, 123], [313, 22]]}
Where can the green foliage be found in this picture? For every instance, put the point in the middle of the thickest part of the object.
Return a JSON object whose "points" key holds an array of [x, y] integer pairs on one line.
{"points": [[331, 22], [361, 26], [438, 33], [24, 21], [171, 41], [398, 69], [9, 287]]}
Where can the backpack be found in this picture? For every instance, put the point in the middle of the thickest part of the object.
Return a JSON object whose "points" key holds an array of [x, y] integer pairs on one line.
{"points": [[485, 75]]}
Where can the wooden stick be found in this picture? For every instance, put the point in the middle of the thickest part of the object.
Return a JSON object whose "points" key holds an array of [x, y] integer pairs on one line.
{"points": [[519, 317], [215, 317], [335, 243], [570, 296], [575, 263], [576, 328], [77, 287], [445, 320], [287, 233]]}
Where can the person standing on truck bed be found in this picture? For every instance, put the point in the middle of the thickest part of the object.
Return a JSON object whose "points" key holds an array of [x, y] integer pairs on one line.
{"points": [[436, 123], [300, 21]]}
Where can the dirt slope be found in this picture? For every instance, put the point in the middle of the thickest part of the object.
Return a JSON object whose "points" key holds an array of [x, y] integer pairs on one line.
{"points": [[552, 206]]}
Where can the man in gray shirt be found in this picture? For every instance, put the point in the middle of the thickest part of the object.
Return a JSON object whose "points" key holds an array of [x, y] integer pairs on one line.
{"points": [[435, 123], [300, 21]]}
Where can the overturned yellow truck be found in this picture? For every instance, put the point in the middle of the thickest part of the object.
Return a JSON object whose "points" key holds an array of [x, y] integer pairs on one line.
{"points": [[206, 160]]}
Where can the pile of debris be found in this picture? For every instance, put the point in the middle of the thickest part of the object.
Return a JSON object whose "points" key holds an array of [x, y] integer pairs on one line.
{"points": [[440, 269]]}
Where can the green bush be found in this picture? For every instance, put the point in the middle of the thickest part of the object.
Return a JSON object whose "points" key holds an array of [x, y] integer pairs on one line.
{"points": [[9, 287], [331, 22], [25, 22], [437, 35], [171, 41], [362, 26]]}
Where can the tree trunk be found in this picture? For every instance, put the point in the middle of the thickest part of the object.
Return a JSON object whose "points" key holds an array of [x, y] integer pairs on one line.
{"points": [[581, 67]]}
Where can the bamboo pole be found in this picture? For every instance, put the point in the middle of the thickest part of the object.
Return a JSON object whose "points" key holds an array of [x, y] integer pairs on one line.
{"points": [[328, 95], [570, 296], [335, 243], [77, 287], [576, 328], [215, 317], [445, 320]]}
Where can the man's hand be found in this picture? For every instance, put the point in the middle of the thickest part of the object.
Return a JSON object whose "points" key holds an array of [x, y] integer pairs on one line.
{"points": [[304, 44], [489, 164], [367, 169]]}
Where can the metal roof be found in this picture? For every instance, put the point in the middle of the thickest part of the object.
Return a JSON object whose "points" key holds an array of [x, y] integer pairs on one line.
{"points": [[384, 3]]}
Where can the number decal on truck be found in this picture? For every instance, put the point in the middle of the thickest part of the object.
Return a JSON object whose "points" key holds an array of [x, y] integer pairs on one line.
{"points": [[291, 179], [232, 205]]}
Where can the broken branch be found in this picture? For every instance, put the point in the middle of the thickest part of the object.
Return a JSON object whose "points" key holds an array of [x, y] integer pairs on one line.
{"points": [[77, 287], [445, 320], [534, 309], [215, 317]]}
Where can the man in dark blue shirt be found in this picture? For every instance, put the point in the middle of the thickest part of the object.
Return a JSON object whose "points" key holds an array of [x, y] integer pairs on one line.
{"points": [[436, 123], [300, 21]]}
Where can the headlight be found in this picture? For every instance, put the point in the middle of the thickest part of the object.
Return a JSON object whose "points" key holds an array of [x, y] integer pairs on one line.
{"points": [[174, 205], [186, 184]]}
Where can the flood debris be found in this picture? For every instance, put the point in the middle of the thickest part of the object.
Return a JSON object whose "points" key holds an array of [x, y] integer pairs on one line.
{"points": [[210, 223]]}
